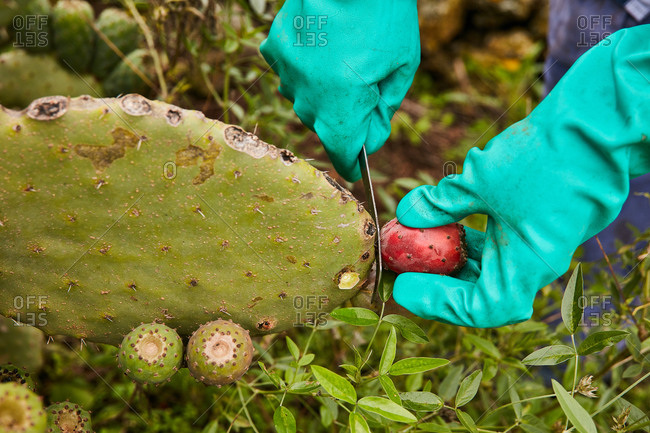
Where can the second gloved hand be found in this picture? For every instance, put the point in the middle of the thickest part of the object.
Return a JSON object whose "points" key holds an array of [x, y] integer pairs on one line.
{"points": [[346, 65], [547, 184]]}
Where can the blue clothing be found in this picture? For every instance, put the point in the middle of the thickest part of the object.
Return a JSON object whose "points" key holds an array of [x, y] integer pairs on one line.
{"points": [[574, 27]]}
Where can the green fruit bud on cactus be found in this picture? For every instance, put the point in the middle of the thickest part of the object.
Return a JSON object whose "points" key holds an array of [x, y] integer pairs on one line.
{"points": [[119, 28], [21, 411], [74, 38], [66, 417], [11, 373], [219, 352], [151, 353]]}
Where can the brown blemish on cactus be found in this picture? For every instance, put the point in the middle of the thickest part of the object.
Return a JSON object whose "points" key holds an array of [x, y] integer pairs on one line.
{"points": [[246, 142], [47, 108], [135, 105], [291, 259], [103, 156], [191, 154], [288, 157], [365, 256], [282, 295], [346, 196], [16, 128], [264, 197], [369, 228], [266, 323], [174, 116], [29, 188], [105, 249], [254, 301], [37, 249], [193, 282]]}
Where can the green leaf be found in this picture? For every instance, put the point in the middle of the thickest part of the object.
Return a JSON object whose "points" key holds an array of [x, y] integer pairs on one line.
{"points": [[467, 421], [637, 416], [386, 284], [356, 316], [358, 423], [483, 345], [435, 427], [632, 371], [599, 340], [306, 359], [388, 355], [514, 398], [578, 416], [633, 343], [303, 387], [550, 355], [468, 388], [407, 328], [389, 387], [571, 308], [293, 349], [450, 383], [416, 365], [334, 384], [386, 408], [284, 420], [532, 424], [271, 375], [421, 401]]}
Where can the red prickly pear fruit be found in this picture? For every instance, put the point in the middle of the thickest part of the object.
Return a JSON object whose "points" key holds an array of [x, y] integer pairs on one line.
{"points": [[436, 250]]}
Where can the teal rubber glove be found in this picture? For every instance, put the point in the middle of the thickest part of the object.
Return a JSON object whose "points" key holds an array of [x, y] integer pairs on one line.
{"points": [[346, 65], [547, 184]]}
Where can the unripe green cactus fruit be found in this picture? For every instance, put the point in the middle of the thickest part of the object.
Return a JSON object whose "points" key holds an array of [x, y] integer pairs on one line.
{"points": [[74, 38], [123, 79], [122, 211], [219, 352], [150, 353], [21, 345], [66, 417], [122, 30], [11, 373], [30, 25], [21, 411]]}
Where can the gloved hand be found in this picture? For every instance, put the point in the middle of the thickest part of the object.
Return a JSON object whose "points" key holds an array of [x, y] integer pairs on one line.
{"points": [[547, 184], [346, 65]]}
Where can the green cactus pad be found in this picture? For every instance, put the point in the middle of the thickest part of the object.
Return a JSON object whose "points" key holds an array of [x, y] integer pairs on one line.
{"points": [[122, 31], [21, 411], [26, 77], [66, 417], [30, 25], [11, 373], [219, 352], [123, 79], [74, 38], [150, 353], [123, 211]]}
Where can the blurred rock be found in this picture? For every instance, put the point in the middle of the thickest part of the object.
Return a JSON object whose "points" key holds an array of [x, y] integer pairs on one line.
{"points": [[440, 21], [492, 14]]}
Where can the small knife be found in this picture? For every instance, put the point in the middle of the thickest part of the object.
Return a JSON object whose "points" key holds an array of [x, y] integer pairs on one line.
{"points": [[372, 209]]}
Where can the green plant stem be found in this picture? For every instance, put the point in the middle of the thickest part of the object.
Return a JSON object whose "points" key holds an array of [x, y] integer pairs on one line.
{"points": [[245, 407], [521, 401], [374, 334], [151, 45]]}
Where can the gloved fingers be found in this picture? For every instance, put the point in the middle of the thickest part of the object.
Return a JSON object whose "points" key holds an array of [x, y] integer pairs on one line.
{"points": [[433, 206], [470, 272], [392, 91], [475, 240]]}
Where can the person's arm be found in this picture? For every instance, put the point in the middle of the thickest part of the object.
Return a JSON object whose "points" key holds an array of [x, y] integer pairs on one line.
{"points": [[547, 184], [346, 65]]}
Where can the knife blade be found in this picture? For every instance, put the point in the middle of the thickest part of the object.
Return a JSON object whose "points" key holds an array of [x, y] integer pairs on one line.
{"points": [[372, 209]]}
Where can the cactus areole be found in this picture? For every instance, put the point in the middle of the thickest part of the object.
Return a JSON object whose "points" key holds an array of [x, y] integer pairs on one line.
{"points": [[116, 212]]}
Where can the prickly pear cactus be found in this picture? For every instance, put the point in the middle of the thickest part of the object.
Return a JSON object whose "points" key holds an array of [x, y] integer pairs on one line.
{"points": [[21, 411], [30, 24], [25, 77], [11, 373], [123, 79], [151, 353], [123, 211], [219, 352], [66, 417], [122, 31], [74, 38], [21, 345]]}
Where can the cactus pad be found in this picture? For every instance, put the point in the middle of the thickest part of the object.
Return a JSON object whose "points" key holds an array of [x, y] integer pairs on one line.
{"points": [[122, 30], [150, 353], [10, 373], [219, 352], [66, 417], [74, 38], [21, 411], [123, 211]]}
